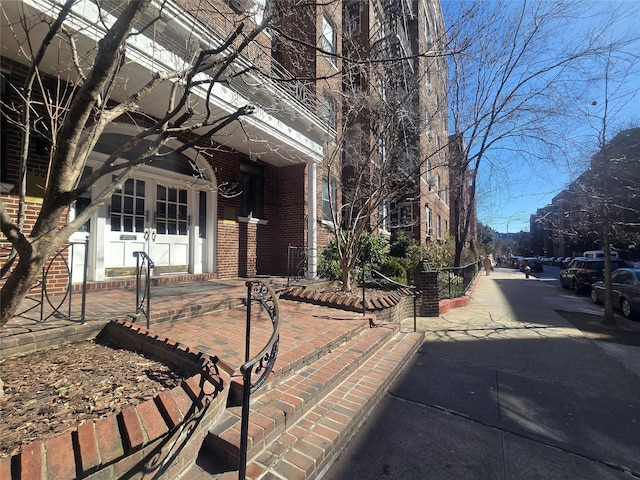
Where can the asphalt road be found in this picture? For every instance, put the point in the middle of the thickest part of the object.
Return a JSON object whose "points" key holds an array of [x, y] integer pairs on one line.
{"points": [[506, 388]]}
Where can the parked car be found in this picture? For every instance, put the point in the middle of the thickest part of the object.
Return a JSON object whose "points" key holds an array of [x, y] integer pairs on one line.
{"points": [[582, 272], [534, 264], [625, 284], [565, 263]]}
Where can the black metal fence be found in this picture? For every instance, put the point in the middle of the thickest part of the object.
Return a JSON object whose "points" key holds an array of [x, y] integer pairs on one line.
{"points": [[59, 305], [453, 282], [296, 263]]}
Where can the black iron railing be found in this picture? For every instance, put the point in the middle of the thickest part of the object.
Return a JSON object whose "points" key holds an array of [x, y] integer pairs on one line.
{"points": [[390, 281], [144, 264], [256, 370], [296, 263], [60, 264], [453, 282]]}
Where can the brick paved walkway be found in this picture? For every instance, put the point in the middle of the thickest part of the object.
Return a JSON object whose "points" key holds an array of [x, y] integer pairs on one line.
{"points": [[209, 316]]}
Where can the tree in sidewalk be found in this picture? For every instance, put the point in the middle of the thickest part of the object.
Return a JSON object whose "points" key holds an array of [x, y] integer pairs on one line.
{"points": [[69, 111], [601, 207], [515, 82]]}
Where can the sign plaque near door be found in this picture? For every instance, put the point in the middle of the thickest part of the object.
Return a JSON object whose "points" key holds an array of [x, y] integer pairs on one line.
{"points": [[128, 237]]}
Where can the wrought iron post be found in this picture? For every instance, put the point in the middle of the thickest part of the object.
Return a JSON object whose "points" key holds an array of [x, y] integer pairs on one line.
{"points": [[143, 297], [261, 364], [85, 268]]}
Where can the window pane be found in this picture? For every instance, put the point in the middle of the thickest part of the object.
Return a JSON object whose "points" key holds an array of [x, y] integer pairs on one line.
{"points": [[115, 223], [139, 224], [183, 196], [128, 205], [202, 215], [161, 228], [128, 187], [128, 224]]}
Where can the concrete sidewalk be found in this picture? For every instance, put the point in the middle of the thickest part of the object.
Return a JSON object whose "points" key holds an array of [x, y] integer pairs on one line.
{"points": [[505, 388]]}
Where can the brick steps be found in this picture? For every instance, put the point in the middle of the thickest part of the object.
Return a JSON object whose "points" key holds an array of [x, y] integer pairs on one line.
{"points": [[298, 428]]}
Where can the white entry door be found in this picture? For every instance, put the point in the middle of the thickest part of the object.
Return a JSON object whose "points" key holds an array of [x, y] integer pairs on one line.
{"points": [[169, 246], [151, 216]]}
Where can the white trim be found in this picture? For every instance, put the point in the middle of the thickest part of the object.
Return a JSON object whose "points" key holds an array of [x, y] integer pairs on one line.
{"points": [[258, 221]]}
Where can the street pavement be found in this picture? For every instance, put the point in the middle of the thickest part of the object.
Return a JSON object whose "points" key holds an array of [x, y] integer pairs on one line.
{"points": [[505, 388]]}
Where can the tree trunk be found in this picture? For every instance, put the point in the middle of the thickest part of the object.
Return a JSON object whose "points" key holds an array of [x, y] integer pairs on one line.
{"points": [[346, 277], [18, 284]]}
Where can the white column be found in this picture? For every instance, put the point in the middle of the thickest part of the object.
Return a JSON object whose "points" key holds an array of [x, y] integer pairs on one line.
{"points": [[312, 220]]}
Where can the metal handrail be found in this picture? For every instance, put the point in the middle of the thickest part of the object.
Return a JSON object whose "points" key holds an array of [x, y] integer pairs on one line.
{"points": [[390, 280], [143, 297], [262, 363]]}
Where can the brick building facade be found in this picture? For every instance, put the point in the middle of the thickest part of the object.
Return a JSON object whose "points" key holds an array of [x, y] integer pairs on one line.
{"points": [[263, 183]]}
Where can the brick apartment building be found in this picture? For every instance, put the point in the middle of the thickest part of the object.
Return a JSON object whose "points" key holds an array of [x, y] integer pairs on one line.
{"points": [[571, 224], [275, 165]]}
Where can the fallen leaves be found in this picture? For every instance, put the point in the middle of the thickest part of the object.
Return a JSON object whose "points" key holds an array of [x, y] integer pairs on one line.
{"points": [[47, 393]]}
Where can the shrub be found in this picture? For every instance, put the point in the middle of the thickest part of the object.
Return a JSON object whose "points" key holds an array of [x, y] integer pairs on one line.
{"points": [[392, 268]]}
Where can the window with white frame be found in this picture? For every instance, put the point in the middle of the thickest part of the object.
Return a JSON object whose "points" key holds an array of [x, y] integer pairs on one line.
{"points": [[329, 38], [329, 112], [427, 215], [352, 18], [439, 227], [383, 216], [329, 199]]}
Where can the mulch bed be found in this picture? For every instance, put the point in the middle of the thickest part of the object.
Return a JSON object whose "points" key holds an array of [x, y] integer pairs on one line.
{"points": [[49, 392]]}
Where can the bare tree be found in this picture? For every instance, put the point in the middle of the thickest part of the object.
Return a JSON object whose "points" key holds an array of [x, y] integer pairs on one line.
{"points": [[517, 78], [70, 112]]}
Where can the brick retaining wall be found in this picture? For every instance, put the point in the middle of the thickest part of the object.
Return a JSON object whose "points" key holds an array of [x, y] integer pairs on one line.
{"points": [[158, 438]]}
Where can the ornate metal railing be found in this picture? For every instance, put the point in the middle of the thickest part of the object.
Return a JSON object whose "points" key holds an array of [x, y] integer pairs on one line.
{"points": [[296, 263], [143, 291], [60, 304], [261, 365]]}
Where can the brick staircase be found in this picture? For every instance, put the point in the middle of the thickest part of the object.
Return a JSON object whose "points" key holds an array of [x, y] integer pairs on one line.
{"points": [[301, 421]]}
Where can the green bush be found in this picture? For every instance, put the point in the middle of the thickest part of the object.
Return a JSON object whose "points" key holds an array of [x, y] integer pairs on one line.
{"points": [[373, 249], [392, 268], [329, 264], [400, 243]]}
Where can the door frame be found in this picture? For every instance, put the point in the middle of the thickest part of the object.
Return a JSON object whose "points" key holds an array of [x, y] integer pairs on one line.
{"points": [[100, 225]]}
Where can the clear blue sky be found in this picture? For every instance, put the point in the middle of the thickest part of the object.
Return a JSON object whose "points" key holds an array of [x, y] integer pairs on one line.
{"points": [[511, 189]]}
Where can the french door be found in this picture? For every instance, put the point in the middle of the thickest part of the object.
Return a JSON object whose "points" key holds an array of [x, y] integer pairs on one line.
{"points": [[151, 216]]}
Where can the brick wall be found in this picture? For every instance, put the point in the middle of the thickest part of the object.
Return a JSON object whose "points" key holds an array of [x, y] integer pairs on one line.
{"points": [[162, 435]]}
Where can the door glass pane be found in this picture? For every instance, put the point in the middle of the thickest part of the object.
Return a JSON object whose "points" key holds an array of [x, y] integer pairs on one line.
{"points": [[171, 210], [202, 215], [127, 208]]}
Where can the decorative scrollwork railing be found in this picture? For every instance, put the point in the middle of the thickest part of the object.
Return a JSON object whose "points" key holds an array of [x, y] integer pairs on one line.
{"points": [[143, 292], [60, 303], [260, 365]]}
